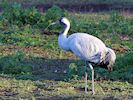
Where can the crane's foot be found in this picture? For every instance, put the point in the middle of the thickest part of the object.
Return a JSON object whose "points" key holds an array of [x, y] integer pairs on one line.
{"points": [[86, 90]]}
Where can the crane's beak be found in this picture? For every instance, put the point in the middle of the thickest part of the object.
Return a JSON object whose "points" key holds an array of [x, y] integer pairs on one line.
{"points": [[57, 22]]}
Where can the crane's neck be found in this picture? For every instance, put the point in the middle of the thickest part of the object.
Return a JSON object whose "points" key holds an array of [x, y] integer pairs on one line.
{"points": [[62, 39], [65, 30]]}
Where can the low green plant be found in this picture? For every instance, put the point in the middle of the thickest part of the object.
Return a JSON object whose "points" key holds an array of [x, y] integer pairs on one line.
{"points": [[72, 70], [54, 13], [76, 70], [84, 25], [116, 23], [122, 70], [14, 64], [119, 24], [15, 14]]}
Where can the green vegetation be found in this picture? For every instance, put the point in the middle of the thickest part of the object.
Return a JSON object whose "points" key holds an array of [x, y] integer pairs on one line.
{"points": [[18, 22], [122, 70], [32, 66], [20, 16], [14, 64], [72, 90], [11, 88], [56, 11]]}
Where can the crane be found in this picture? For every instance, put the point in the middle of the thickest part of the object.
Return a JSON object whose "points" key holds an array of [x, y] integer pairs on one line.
{"points": [[87, 47]]}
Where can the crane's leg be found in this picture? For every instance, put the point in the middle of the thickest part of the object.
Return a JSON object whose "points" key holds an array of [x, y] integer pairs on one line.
{"points": [[86, 75], [92, 78]]}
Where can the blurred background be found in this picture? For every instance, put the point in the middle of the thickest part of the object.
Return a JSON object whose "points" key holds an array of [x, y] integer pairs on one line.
{"points": [[32, 66]]}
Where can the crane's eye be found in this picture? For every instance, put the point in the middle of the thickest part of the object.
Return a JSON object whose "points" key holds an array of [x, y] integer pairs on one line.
{"points": [[60, 20]]}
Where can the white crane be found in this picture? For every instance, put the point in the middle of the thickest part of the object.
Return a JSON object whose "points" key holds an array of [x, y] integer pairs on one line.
{"points": [[87, 47]]}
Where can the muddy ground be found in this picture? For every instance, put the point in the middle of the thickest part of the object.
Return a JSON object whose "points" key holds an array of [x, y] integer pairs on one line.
{"points": [[87, 7]]}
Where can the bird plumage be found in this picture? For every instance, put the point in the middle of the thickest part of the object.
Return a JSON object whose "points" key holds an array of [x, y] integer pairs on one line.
{"points": [[85, 46]]}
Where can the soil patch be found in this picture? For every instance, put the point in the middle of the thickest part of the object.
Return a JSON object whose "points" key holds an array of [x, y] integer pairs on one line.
{"points": [[84, 7]]}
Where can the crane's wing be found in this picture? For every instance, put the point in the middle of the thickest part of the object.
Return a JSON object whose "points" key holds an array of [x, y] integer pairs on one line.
{"points": [[87, 47]]}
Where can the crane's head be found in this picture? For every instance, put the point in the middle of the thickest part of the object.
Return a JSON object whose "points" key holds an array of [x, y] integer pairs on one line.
{"points": [[63, 21], [109, 60]]}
